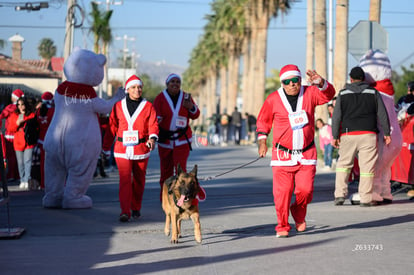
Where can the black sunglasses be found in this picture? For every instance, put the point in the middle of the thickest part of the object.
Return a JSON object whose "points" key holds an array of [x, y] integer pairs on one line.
{"points": [[287, 81]]}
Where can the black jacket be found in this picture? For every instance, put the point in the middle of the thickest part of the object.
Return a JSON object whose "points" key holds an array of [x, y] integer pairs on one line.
{"points": [[357, 108]]}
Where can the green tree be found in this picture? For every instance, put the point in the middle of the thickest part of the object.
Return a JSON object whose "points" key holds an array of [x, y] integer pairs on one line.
{"points": [[272, 82], [46, 48], [101, 28], [400, 81], [150, 89]]}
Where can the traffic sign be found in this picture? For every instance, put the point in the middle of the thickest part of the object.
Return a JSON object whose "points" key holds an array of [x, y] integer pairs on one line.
{"points": [[367, 35]]}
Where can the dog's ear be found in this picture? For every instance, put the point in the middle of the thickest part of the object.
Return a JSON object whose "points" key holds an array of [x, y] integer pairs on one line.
{"points": [[179, 169], [194, 171]]}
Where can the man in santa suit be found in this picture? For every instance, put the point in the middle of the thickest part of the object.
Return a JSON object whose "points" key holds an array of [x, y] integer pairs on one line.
{"points": [[44, 116], [174, 110], [12, 171], [290, 111], [133, 121]]}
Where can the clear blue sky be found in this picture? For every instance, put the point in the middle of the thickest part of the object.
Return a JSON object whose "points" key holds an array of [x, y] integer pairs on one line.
{"points": [[167, 30]]}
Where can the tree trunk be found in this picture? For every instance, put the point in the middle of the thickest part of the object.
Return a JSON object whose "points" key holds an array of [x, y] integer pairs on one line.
{"points": [[320, 50], [246, 93], [310, 43], [260, 76], [223, 89], [233, 84], [341, 45]]}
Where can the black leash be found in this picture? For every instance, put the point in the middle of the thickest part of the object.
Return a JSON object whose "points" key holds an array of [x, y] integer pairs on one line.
{"points": [[231, 170]]}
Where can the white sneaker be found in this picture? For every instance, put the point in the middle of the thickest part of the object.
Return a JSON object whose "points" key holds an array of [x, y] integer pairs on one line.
{"points": [[24, 185]]}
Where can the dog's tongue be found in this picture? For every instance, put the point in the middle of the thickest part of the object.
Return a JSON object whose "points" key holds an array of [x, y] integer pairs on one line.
{"points": [[181, 200]]}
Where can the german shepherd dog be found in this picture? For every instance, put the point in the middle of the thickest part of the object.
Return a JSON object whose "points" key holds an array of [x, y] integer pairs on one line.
{"points": [[179, 202]]}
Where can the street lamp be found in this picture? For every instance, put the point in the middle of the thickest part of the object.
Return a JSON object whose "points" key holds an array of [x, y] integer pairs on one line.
{"points": [[126, 38]]}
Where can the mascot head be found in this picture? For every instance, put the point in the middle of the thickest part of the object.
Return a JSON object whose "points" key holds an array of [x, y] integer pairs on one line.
{"points": [[85, 67], [376, 65]]}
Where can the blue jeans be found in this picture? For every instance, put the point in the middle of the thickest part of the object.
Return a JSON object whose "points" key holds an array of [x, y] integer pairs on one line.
{"points": [[327, 156], [24, 163]]}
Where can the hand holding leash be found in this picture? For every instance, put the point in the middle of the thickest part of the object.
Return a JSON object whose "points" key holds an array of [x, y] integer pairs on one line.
{"points": [[151, 144]]}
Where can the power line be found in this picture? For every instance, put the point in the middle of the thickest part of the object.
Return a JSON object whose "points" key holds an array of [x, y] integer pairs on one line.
{"points": [[175, 28]]}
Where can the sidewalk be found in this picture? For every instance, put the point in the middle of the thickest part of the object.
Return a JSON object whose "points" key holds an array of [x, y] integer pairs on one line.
{"points": [[237, 220]]}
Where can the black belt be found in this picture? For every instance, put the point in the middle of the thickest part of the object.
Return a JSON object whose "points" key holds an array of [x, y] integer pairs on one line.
{"points": [[296, 151], [141, 140]]}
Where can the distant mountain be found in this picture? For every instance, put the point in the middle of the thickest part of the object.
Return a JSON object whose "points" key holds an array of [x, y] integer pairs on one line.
{"points": [[158, 71]]}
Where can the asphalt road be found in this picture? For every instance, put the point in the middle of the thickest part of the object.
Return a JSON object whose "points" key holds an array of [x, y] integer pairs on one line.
{"points": [[237, 220]]}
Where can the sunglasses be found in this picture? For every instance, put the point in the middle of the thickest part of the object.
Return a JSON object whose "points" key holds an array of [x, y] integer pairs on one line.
{"points": [[287, 81]]}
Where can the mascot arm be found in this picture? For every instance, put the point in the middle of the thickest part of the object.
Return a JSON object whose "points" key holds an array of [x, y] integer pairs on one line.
{"points": [[102, 106]]}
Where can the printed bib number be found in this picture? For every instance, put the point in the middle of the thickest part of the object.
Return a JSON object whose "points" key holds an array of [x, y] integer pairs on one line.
{"points": [[181, 122], [130, 138], [298, 120]]}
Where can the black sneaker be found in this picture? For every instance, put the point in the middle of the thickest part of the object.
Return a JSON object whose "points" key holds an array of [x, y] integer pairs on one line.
{"points": [[123, 218], [339, 201], [136, 214], [386, 201]]}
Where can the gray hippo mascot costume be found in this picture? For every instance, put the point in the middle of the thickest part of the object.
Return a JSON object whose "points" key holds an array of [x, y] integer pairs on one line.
{"points": [[73, 140]]}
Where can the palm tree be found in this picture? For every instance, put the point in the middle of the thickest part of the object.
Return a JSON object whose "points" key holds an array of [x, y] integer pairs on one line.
{"points": [[101, 28], [260, 12], [46, 49]]}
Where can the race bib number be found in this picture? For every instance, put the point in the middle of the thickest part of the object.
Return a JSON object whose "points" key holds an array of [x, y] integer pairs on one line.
{"points": [[130, 138], [298, 120], [181, 122]]}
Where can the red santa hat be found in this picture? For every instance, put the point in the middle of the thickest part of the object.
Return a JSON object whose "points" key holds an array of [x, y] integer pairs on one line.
{"points": [[17, 94], [133, 80], [289, 71], [47, 96], [171, 76]]}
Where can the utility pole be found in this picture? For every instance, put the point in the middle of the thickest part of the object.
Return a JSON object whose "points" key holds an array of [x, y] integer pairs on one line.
{"points": [[70, 23], [125, 50]]}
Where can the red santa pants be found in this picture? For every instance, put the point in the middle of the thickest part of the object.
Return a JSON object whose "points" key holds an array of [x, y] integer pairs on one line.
{"points": [[12, 169], [286, 179], [169, 158], [131, 189]]}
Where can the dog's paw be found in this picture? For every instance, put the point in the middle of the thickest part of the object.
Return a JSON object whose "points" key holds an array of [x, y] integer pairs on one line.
{"points": [[198, 239], [167, 232], [174, 241]]}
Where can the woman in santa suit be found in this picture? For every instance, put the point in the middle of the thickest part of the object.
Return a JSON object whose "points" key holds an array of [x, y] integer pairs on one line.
{"points": [[15, 125], [174, 109], [44, 116], [12, 169], [133, 121]]}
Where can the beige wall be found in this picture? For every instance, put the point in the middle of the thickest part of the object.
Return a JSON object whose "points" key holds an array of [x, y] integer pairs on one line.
{"points": [[39, 85]]}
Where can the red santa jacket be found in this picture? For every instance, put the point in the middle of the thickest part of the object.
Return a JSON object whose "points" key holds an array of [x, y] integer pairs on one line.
{"points": [[7, 111], [276, 112], [44, 122], [144, 120], [19, 142], [174, 122]]}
